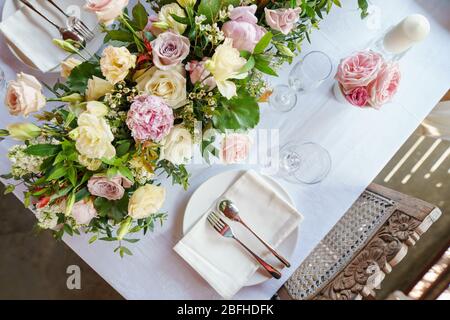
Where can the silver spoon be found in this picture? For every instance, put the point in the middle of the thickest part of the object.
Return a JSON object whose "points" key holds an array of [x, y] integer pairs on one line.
{"points": [[66, 34], [230, 211]]}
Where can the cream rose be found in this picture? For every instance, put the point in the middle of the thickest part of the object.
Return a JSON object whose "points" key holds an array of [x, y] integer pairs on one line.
{"points": [[177, 146], [167, 21], [146, 201], [97, 87], [93, 135], [169, 85], [68, 65], [24, 95], [116, 62], [226, 64], [106, 10], [90, 164]]}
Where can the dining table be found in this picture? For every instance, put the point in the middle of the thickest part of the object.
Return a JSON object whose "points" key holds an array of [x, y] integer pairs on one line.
{"points": [[359, 141]]}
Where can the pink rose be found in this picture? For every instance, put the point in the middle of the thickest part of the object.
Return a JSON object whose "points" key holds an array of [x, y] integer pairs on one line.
{"points": [[106, 10], [385, 86], [198, 73], [84, 211], [109, 188], [243, 28], [245, 35], [235, 148], [149, 118], [169, 50], [358, 96], [244, 14], [150, 27], [282, 19], [358, 70]]}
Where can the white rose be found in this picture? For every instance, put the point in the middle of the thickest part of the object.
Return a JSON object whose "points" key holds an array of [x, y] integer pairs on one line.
{"points": [[68, 65], [93, 135], [169, 85], [166, 20], [116, 63], [177, 146], [24, 95], [97, 87], [226, 64], [145, 201]]}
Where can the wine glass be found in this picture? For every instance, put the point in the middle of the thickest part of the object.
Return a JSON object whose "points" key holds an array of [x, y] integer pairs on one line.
{"points": [[306, 163], [305, 76]]}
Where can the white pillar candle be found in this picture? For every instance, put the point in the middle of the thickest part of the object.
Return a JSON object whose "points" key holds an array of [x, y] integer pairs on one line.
{"points": [[413, 29]]}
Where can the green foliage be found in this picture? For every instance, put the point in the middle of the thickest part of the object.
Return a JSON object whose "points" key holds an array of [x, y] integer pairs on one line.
{"points": [[78, 79], [140, 16], [43, 150], [115, 210], [178, 173], [240, 112]]}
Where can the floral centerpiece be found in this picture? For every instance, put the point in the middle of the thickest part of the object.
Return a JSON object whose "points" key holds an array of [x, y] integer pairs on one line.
{"points": [[117, 121], [366, 79]]}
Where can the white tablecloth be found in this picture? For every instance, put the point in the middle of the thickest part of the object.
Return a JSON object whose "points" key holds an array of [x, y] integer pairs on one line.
{"points": [[360, 142]]}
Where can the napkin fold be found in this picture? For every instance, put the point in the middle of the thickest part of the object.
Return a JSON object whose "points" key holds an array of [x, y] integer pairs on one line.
{"points": [[222, 262], [32, 36]]}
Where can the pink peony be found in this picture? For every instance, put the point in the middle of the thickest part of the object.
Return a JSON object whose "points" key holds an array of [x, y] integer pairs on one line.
{"points": [[358, 96], [149, 118], [385, 86], [109, 188], [235, 148], [244, 14], [84, 211], [198, 73], [245, 35], [282, 20], [359, 70], [169, 50]]}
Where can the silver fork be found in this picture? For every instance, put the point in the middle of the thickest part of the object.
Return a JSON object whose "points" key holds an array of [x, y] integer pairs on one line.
{"points": [[225, 230], [75, 23]]}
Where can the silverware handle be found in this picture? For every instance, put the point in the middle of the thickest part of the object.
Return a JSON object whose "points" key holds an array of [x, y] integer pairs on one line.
{"points": [[29, 5], [274, 272], [268, 246], [57, 7]]}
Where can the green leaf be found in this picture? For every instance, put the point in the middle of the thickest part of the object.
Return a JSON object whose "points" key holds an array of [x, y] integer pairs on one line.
{"points": [[140, 16], [68, 229], [108, 239], [126, 173], [263, 65], [93, 239], [210, 9], [131, 240], [10, 188], [79, 76], [125, 250], [56, 173], [43, 150], [81, 194], [120, 35], [263, 43], [241, 112], [249, 65], [72, 175], [115, 210], [60, 193], [123, 148], [182, 20]]}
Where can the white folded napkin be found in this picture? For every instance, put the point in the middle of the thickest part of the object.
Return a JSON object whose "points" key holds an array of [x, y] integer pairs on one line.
{"points": [[222, 262], [32, 36]]}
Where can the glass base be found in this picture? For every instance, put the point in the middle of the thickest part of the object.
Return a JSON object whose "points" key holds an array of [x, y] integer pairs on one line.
{"points": [[307, 163], [283, 98]]}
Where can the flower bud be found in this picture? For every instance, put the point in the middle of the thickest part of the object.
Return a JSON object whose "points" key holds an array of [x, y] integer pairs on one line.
{"points": [[73, 98], [23, 131], [124, 228]]}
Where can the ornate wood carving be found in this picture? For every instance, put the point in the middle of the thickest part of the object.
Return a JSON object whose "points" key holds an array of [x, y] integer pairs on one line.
{"points": [[366, 271]]}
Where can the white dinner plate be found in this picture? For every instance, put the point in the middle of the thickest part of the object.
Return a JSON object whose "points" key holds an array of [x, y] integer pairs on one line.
{"points": [[11, 6], [208, 193]]}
